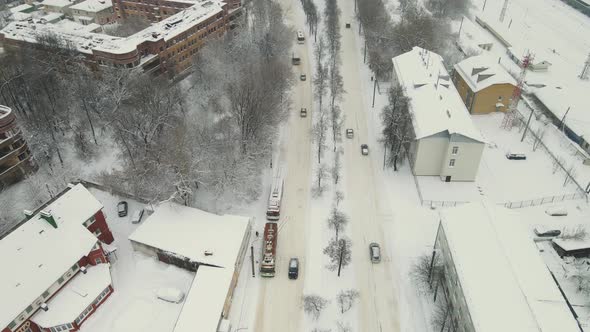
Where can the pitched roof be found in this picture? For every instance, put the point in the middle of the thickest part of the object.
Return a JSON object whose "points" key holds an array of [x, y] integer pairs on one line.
{"points": [[36, 254], [434, 102], [501, 272], [480, 72]]}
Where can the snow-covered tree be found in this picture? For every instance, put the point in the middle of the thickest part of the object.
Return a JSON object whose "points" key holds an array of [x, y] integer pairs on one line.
{"points": [[339, 252], [346, 299], [337, 220], [397, 125], [314, 305]]}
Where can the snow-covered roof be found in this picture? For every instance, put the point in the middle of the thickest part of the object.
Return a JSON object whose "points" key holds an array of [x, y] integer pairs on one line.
{"points": [[481, 72], [20, 8], [435, 103], [471, 34], [20, 16], [74, 297], [35, 255], [93, 6], [58, 3], [86, 41], [572, 244], [501, 272], [204, 302], [190, 232], [50, 17]]}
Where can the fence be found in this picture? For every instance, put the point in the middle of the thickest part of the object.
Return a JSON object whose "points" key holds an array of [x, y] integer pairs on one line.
{"points": [[543, 200], [522, 118], [434, 204]]}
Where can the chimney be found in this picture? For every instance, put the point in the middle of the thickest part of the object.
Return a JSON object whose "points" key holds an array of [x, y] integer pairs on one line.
{"points": [[28, 214], [49, 218]]}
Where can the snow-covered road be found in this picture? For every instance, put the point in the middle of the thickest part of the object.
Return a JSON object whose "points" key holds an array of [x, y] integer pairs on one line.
{"points": [[279, 305], [368, 209]]}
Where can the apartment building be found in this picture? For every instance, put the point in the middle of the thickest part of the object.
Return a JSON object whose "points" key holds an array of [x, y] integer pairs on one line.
{"points": [[166, 46], [492, 276], [56, 272], [446, 142], [16, 160], [94, 11]]}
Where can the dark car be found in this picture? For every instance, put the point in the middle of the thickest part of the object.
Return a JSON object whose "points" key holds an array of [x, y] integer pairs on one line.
{"points": [[293, 268], [122, 208], [546, 232], [375, 252], [364, 149], [516, 156], [303, 112]]}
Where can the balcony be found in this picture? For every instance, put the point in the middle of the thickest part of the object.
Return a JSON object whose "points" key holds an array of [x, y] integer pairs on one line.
{"points": [[4, 142], [12, 155]]}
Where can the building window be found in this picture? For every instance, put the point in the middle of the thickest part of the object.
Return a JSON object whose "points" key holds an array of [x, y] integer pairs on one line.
{"points": [[29, 309], [98, 261], [60, 280], [89, 222], [452, 163], [45, 294], [97, 232], [75, 267], [455, 150]]}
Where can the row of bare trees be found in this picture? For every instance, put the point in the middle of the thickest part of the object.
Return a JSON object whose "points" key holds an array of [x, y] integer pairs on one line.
{"points": [[212, 130]]}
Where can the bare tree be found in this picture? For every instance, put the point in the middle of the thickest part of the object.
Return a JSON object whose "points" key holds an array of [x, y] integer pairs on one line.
{"points": [[574, 233], [321, 71], [339, 252], [338, 197], [322, 174], [426, 269], [319, 132], [314, 305], [337, 167], [449, 8], [440, 315], [343, 327], [346, 299], [397, 125], [337, 221]]}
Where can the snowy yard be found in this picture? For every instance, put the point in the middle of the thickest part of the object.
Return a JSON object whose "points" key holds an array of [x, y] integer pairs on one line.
{"points": [[136, 278]]}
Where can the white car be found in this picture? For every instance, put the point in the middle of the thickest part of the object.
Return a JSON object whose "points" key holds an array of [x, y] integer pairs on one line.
{"points": [[136, 217], [349, 133]]}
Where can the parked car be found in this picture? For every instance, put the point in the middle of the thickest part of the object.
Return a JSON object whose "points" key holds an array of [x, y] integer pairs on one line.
{"points": [[364, 149], [122, 208], [303, 112], [516, 156], [170, 294], [349, 133], [293, 268], [546, 232], [136, 217], [556, 211], [375, 252], [303, 77], [347, 25]]}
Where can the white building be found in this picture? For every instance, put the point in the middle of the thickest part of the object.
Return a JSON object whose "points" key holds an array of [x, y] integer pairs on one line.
{"points": [[446, 143], [493, 277], [94, 11], [212, 245]]}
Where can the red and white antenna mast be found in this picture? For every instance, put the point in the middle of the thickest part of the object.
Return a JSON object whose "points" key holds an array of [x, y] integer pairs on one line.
{"points": [[510, 114]]}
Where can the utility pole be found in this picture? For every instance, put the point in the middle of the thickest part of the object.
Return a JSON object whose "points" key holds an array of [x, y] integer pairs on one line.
{"points": [[374, 89], [461, 26], [586, 69], [484, 5], [503, 12], [563, 119], [527, 125], [252, 259]]}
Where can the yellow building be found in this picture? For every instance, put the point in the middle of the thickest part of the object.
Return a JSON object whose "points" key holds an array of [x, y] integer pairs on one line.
{"points": [[483, 85]]}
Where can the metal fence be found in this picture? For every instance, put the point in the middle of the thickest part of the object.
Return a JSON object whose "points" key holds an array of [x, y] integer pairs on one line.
{"points": [[435, 204], [544, 200]]}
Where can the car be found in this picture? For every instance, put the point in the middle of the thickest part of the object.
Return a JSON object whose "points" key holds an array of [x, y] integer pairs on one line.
{"points": [[349, 133], [516, 156], [546, 232], [347, 25], [375, 252], [136, 217], [364, 149], [122, 209], [303, 112], [293, 268], [303, 77], [170, 294]]}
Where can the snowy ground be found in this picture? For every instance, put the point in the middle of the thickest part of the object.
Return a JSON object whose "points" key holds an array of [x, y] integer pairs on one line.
{"points": [[136, 277]]}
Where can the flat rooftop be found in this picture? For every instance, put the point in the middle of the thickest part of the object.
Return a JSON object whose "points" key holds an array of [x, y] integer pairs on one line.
{"points": [[93, 6]]}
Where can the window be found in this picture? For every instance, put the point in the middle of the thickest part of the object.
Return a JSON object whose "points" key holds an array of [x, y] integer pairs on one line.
{"points": [[500, 98], [89, 222], [97, 232], [45, 294], [452, 163], [98, 261], [60, 280], [455, 150], [75, 267], [29, 309]]}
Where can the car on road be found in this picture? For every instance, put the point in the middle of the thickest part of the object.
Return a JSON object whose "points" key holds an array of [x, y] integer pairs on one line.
{"points": [[375, 252], [136, 217], [516, 156], [364, 149], [293, 268], [303, 77], [349, 133], [122, 208], [303, 112], [546, 232]]}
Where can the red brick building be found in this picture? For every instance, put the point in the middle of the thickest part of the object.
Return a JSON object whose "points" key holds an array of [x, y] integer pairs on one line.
{"points": [[16, 160], [181, 28], [56, 271]]}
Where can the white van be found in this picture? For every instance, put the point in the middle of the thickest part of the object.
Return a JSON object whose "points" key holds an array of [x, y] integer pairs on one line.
{"points": [[136, 217]]}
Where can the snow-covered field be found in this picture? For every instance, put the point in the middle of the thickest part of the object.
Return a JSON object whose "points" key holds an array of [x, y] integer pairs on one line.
{"points": [[133, 306]]}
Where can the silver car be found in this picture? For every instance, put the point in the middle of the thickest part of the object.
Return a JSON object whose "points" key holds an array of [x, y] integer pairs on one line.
{"points": [[375, 252]]}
